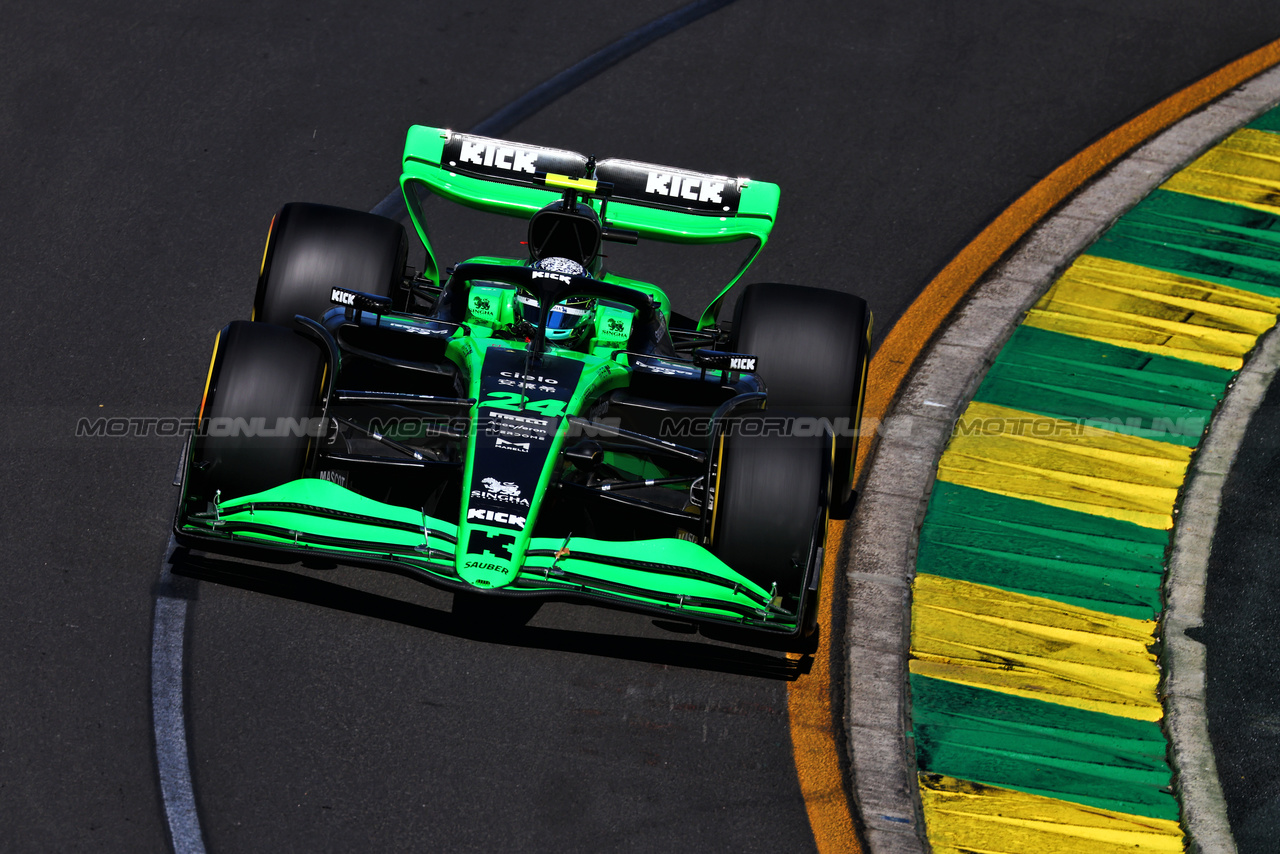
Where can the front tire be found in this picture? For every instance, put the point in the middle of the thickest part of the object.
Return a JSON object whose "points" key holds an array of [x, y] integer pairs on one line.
{"points": [[312, 249], [260, 410], [768, 490], [813, 346]]}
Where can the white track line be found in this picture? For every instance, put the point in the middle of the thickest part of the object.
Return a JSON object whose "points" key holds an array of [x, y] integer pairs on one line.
{"points": [[168, 645]]}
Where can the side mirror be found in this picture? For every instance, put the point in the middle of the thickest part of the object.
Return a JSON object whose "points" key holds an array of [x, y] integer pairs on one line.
{"points": [[620, 235], [585, 455]]}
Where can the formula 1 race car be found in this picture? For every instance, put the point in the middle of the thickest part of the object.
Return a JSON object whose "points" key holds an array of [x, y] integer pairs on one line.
{"points": [[536, 427]]}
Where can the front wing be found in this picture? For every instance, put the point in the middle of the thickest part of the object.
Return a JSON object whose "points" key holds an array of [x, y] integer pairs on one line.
{"points": [[311, 517]]}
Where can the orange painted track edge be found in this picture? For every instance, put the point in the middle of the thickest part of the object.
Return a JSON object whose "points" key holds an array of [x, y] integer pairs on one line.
{"points": [[815, 726]]}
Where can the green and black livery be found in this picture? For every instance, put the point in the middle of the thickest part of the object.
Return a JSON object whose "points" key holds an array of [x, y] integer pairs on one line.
{"points": [[503, 428]]}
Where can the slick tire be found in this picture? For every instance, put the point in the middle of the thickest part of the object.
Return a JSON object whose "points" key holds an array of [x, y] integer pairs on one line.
{"points": [[312, 249], [260, 409], [767, 492], [813, 346]]}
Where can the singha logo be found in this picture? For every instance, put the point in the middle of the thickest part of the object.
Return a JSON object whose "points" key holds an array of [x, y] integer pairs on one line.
{"points": [[508, 488], [615, 326], [503, 492]]}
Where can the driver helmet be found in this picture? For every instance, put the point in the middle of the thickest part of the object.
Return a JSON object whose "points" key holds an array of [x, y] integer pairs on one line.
{"points": [[567, 320]]}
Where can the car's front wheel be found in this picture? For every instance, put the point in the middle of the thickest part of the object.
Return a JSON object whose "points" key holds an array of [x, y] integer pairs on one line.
{"points": [[260, 417], [312, 249], [768, 492], [812, 346]]}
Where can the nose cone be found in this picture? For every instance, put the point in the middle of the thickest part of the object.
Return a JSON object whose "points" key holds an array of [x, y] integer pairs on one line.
{"points": [[490, 557], [485, 571], [513, 450]]}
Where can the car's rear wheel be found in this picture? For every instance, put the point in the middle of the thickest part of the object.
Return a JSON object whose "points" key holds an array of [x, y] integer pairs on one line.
{"points": [[812, 346], [260, 411], [767, 496], [312, 249]]}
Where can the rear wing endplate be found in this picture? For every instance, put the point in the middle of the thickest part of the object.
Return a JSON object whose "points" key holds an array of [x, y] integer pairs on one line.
{"points": [[658, 202]]}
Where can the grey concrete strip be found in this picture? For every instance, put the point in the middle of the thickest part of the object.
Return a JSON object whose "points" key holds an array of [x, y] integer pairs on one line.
{"points": [[900, 476], [1204, 811], [168, 711]]}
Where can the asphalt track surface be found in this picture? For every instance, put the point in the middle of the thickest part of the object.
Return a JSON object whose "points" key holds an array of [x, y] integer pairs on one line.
{"points": [[146, 150], [1241, 624]]}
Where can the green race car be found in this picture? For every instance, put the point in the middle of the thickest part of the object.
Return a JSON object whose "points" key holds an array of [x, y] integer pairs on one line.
{"points": [[536, 427]]}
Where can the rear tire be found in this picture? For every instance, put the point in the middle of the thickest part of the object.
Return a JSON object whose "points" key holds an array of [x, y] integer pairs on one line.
{"points": [[767, 494], [813, 346], [267, 372], [312, 249]]}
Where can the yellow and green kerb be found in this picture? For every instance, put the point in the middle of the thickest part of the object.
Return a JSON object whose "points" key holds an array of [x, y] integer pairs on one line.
{"points": [[1033, 673]]}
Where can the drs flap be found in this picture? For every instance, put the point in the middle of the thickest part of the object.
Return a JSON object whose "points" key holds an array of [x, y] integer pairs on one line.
{"points": [[674, 189], [508, 162]]}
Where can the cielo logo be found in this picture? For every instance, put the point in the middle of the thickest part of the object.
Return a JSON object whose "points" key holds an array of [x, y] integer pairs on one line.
{"points": [[529, 378]]}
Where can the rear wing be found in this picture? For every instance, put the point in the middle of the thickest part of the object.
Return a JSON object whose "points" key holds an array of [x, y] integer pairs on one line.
{"points": [[657, 202]]}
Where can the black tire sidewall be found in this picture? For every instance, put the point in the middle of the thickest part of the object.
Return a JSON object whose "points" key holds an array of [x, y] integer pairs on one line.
{"points": [[260, 371], [767, 493], [315, 248], [812, 348]]}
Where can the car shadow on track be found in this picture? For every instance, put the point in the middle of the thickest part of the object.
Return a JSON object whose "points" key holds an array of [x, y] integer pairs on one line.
{"points": [[285, 584]]}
